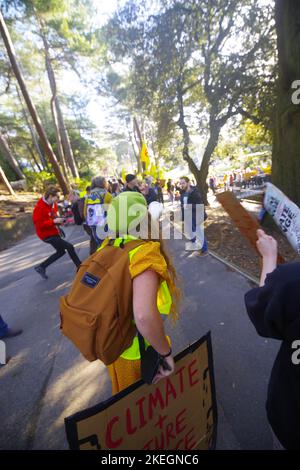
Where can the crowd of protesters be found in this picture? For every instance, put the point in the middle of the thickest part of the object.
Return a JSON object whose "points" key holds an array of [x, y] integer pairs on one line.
{"points": [[239, 180], [90, 211]]}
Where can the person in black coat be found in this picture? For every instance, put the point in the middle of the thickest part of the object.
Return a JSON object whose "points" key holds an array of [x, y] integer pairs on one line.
{"points": [[274, 309], [131, 184], [191, 199], [149, 193]]}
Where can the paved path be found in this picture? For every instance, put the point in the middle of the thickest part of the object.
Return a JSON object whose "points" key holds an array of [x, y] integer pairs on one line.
{"points": [[46, 379]]}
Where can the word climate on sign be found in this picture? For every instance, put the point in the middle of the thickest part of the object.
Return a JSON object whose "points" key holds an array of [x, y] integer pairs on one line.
{"points": [[178, 413]]}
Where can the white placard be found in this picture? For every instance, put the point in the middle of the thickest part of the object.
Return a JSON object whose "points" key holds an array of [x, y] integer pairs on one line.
{"points": [[285, 213]]}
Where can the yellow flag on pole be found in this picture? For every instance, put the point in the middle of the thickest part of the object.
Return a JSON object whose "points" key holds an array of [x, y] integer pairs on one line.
{"points": [[123, 175], [145, 155], [153, 171]]}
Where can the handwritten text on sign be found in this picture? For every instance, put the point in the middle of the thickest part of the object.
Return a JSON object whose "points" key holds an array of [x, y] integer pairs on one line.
{"points": [[178, 413], [285, 213]]}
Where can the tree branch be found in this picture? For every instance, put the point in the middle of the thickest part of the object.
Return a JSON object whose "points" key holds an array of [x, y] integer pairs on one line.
{"points": [[248, 115]]}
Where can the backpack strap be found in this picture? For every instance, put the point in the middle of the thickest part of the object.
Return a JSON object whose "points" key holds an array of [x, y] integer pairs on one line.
{"points": [[131, 245], [141, 343], [126, 246]]}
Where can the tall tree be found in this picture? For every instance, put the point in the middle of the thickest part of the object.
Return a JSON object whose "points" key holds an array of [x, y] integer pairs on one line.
{"points": [[37, 122], [184, 59], [32, 133], [6, 182], [7, 154], [62, 137], [67, 36], [286, 144]]}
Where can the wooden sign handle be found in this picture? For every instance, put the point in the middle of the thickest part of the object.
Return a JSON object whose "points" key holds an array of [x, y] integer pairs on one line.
{"points": [[246, 223]]}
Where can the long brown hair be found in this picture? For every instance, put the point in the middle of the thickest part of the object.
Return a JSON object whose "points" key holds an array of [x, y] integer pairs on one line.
{"points": [[176, 281], [51, 191]]}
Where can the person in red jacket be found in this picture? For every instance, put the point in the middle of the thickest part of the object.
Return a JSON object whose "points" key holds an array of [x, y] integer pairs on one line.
{"points": [[47, 222]]}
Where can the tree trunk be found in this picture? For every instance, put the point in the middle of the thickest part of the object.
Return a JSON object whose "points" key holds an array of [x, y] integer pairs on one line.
{"points": [[6, 183], [32, 132], [64, 141], [286, 142], [34, 157], [214, 134], [136, 155], [37, 122], [139, 142], [201, 184], [53, 104], [58, 139], [7, 154]]}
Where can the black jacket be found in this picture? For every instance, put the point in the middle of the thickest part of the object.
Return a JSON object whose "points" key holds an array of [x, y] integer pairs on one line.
{"points": [[151, 196], [194, 198], [134, 190], [274, 309]]}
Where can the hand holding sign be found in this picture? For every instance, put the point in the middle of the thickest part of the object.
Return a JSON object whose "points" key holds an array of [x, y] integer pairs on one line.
{"points": [[166, 368], [267, 245], [178, 413]]}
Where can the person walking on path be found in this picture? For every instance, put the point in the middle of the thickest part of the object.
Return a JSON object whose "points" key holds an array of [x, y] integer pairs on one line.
{"points": [[212, 184], [273, 309], [191, 202], [170, 190], [95, 211], [149, 193], [47, 226], [131, 184]]}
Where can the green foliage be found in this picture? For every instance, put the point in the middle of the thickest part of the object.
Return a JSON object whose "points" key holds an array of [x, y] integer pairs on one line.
{"points": [[194, 66], [10, 174], [39, 181], [182, 67], [49, 6], [246, 146], [255, 136], [80, 183]]}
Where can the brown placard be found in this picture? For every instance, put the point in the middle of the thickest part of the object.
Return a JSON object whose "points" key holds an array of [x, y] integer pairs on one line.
{"points": [[178, 413], [246, 223]]}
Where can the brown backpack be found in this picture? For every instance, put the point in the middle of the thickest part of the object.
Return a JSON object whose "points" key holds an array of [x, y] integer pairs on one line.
{"points": [[97, 313]]}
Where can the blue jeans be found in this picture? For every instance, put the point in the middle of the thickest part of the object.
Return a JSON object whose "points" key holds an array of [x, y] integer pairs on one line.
{"points": [[3, 328], [195, 229], [204, 246]]}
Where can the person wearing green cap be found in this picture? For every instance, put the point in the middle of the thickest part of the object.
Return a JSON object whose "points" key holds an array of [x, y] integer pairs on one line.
{"points": [[154, 290], [126, 212]]}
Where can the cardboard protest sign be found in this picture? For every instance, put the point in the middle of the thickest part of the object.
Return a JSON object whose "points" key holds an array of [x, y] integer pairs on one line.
{"points": [[178, 413], [285, 214], [245, 222]]}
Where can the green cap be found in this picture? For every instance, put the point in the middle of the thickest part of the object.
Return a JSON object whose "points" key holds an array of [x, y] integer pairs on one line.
{"points": [[126, 211]]}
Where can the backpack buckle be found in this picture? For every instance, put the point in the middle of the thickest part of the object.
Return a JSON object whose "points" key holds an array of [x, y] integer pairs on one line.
{"points": [[112, 241]]}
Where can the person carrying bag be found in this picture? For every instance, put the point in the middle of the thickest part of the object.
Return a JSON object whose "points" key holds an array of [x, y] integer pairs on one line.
{"points": [[127, 287]]}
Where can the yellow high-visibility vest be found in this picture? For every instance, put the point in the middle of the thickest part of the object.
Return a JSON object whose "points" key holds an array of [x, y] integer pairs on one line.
{"points": [[164, 301]]}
